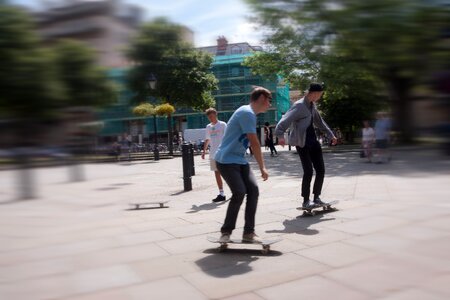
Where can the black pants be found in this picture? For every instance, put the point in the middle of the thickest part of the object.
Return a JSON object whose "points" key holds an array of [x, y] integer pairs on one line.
{"points": [[269, 143], [311, 156], [242, 182]]}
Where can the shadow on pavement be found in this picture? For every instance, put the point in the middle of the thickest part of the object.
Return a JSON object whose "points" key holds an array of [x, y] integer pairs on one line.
{"points": [[121, 184], [179, 193], [301, 225], [109, 188], [231, 262], [206, 206]]}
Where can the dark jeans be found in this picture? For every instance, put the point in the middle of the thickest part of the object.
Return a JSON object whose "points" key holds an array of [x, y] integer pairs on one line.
{"points": [[311, 156], [269, 143], [242, 182]]}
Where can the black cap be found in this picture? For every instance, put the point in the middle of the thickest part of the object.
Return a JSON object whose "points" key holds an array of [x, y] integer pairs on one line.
{"points": [[315, 87]]}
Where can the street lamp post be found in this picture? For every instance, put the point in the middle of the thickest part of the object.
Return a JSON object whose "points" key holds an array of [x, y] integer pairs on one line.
{"points": [[152, 85]]}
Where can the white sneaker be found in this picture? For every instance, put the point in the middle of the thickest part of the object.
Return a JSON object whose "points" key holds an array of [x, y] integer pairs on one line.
{"points": [[224, 238], [251, 238]]}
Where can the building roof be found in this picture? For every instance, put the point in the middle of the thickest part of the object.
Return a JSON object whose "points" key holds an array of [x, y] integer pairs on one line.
{"points": [[223, 48], [125, 12]]}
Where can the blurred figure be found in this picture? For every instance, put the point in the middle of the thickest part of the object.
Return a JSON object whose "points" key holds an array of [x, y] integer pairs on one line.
{"points": [[214, 134], [304, 115], [382, 136], [269, 139], [368, 138], [339, 137]]}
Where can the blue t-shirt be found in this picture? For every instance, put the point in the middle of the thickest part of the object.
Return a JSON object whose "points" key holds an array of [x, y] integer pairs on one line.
{"points": [[382, 128], [235, 142]]}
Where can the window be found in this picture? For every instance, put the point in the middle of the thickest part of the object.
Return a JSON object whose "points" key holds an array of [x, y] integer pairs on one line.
{"points": [[236, 50]]}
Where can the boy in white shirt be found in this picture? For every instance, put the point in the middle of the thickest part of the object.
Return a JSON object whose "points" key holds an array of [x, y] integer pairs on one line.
{"points": [[214, 135]]}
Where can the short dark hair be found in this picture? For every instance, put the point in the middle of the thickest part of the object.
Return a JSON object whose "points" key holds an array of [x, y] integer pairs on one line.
{"points": [[315, 87], [267, 123], [258, 91], [211, 110]]}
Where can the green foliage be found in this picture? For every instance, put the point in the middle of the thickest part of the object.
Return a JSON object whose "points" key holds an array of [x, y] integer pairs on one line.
{"points": [[358, 48], [36, 83], [164, 109], [85, 83], [28, 83], [144, 110], [183, 73]]}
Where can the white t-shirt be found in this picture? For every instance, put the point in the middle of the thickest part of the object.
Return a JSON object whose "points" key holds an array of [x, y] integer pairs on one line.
{"points": [[214, 133], [368, 134]]}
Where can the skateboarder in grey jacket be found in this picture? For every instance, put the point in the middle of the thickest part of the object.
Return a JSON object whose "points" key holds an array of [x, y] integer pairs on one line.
{"points": [[303, 115]]}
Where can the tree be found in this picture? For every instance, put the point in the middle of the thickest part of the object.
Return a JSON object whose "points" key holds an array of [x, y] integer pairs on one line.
{"points": [[351, 92], [398, 41], [85, 83], [183, 74], [33, 90], [29, 88]]}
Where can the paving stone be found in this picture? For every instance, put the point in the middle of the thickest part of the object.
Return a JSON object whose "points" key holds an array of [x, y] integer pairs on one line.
{"points": [[246, 273], [314, 287], [336, 254]]}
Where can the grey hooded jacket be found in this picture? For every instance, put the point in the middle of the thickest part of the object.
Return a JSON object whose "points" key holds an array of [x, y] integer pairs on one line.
{"points": [[299, 116]]}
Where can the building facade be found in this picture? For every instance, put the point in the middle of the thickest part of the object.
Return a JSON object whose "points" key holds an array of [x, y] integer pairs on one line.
{"points": [[106, 26], [235, 84]]}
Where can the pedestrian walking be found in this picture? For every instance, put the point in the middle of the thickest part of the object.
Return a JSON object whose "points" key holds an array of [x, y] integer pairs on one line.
{"points": [[213, 137], [382, 136], [269, 139], [368, 139]]}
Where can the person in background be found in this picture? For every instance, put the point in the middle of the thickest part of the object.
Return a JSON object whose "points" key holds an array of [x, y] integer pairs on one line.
{"points": [[368, 138], [382, 135], [269, 139], [214, 134]]}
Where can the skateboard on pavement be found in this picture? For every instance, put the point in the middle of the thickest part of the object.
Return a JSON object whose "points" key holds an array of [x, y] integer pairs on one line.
{"points": [[223, 246], [152, 204], [325, 208]]}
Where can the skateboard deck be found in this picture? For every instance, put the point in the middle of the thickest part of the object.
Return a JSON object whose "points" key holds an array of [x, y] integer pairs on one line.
{"points": [[152, 204], [223, 246], [325, 208]]}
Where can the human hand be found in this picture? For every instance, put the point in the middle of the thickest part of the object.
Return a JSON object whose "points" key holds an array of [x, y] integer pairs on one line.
{"points": [[333, 141], [203, 155], [264, 174], [281, 142]]}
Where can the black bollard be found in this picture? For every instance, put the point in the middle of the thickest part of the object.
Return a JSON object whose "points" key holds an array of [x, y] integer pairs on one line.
{"points": [[186, 167], [191, 159], [156, 153]]}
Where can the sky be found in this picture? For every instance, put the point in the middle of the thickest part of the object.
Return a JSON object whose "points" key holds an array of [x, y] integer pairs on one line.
{"points": [[207, 18]]}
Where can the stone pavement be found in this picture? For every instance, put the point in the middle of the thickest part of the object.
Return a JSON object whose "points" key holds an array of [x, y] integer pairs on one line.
{"points": [[390, 238]]}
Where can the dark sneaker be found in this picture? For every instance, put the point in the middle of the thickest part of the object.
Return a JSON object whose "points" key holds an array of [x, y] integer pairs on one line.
{"points": [[309, 205], [219, 198], [319, 202]]}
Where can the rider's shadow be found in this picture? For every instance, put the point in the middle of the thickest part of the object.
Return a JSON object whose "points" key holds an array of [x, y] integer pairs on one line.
{"points": [[206, 206], [301, 225]]}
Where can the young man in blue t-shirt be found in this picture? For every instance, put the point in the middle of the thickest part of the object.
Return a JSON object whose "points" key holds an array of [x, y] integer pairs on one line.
{"points": [[234, 168]]}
